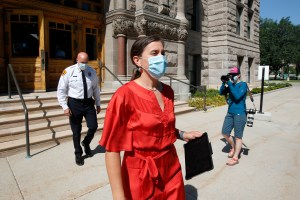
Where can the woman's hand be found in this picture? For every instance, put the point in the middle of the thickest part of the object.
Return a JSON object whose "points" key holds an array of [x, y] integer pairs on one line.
{"points": [[190, 135]]}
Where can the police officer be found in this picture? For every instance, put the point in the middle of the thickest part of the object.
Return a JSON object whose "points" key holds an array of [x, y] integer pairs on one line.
{"points": [[77, 85]]}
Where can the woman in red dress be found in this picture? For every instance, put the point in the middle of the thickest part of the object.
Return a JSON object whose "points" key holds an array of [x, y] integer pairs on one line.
{"points": [[140, 121]]}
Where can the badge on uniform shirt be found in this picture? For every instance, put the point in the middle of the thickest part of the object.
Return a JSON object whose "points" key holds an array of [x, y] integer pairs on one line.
{"points": [[89, 74], [64, 72]]}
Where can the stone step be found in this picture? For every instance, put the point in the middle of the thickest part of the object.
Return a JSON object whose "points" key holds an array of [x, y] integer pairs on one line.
{"points": [[36, 105], [15, 125], [17, 115], [36, 114], [42, 96], [50, 136], [45, 124]]}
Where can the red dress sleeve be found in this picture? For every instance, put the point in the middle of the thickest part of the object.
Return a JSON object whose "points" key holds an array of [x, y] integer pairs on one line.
{"points": [[116, 136]]}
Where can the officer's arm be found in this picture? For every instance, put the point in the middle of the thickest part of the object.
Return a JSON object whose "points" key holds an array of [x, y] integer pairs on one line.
{"points": [[62, 91], [96, 91], [238, 92]]}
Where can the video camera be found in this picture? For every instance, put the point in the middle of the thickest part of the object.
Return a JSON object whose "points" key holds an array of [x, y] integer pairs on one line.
{"points": [[225, 78]]}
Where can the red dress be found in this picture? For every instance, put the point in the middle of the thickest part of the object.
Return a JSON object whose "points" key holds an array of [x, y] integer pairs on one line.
{"points": [[135, 123]]}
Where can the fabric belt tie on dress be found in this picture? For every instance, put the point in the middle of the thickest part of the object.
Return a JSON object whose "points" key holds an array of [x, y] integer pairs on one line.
{"points": [[149, 173]]}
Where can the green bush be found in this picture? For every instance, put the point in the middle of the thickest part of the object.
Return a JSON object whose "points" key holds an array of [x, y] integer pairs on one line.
{"points": [[214, 99], [270, 86]]}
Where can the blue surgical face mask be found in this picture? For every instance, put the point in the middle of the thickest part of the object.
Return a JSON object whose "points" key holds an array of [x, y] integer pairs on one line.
{"points": [[235, 78], [157, 66], [82, 66]]}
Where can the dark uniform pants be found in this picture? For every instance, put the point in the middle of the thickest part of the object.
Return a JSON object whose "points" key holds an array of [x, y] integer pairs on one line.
{"points": [[80, 109]]}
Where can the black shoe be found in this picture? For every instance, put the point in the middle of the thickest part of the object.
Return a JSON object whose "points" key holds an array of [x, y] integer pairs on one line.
{"points": [[87, 149], [79, 160]]}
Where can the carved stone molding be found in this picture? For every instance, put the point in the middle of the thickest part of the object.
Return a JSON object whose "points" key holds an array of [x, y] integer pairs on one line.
{"points": [[166, 30], [123, 26], [143, 23], [182, 33], [131, 5], [140, 25]]}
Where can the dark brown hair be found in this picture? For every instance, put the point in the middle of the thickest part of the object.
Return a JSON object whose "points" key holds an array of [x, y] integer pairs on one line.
{"points": [[138, 48]]}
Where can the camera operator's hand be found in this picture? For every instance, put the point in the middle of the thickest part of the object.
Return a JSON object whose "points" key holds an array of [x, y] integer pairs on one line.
{"points": [[229, 83]]}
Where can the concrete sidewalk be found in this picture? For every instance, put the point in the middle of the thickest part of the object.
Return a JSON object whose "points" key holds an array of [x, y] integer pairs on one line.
{"points": [[268, 168]]}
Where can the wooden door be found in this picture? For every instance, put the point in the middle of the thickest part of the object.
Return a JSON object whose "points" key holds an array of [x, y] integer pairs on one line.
{"points": [[24, 44], [59, 49]]}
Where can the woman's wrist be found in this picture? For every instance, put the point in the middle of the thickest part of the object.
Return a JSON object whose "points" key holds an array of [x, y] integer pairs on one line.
{"points": [[181, 134]]}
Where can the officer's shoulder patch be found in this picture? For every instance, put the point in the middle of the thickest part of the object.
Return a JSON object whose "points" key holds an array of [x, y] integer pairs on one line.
{"points": [[64, 72]]}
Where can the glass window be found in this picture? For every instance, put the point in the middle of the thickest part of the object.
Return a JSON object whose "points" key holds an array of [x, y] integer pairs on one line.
{"points": [[249, 25], [250, 61], [240, 61], [91, 43], [33, 18], [24, 18], [60, 41], [250, 3], [24, 36], [239, 11], [14, 18], [192, 14]]}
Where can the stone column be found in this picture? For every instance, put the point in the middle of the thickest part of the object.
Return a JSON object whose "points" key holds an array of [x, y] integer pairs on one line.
{"points": [[181, 60], [121, 41], [181, 12], [121, 54], [182, 33]]}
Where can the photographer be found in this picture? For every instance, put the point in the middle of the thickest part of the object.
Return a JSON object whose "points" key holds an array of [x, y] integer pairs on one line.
{"points": [[236, 117]]}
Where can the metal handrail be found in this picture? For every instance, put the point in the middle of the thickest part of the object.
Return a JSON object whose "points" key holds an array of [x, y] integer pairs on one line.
{"points": [[193, 86], [104, 67], [10, 69], [170, 77]]}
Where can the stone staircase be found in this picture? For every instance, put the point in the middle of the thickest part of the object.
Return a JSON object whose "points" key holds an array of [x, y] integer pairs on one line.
{"points": [[46, 119]]}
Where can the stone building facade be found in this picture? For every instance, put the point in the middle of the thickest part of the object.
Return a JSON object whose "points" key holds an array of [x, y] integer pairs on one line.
{"points": [[203, 39]]}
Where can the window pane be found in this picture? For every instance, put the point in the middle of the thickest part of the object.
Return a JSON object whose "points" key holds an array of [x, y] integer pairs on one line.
{"points": [[25, 39], [14, 18], [60, 44], [24, 18], [33, 18], [60, 26], [68, 27], [91, 46], [52, 25]]}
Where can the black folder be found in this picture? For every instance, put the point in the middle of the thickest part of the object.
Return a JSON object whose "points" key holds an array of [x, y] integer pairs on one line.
{"points": [[198, 156]]}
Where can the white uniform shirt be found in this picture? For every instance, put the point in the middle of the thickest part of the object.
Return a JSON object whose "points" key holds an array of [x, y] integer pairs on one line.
{"points": [[71, 85]]}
